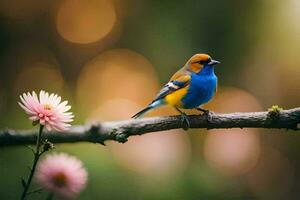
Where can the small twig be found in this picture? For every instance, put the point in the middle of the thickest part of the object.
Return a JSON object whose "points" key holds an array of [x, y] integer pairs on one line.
{"points": [[35, 191], [121, 130], [31, 149]]}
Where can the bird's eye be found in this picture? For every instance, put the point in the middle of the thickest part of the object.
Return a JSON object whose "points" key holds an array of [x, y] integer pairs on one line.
{"points": [[201, 62]]}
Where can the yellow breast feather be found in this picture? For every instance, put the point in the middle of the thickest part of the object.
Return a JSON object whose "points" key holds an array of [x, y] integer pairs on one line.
{"points": [[174, 99]]}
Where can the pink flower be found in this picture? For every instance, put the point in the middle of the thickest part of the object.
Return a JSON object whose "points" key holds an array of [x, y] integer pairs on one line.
{"points": [[47, 110], [61, 174]]}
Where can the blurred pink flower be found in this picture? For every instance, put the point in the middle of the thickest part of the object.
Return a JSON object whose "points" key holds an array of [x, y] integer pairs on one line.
{"points": [[61, 174], [48, 110]]}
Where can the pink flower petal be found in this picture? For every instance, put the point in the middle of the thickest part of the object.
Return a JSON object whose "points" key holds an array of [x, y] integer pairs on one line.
{"points": [[48, 109], [61, 174]]}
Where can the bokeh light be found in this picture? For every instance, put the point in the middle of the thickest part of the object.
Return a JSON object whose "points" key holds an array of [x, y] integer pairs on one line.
{"points": [[106, 110], [232, 152], [159, 154], [83, 22], [34, 67], [236, 151], [118, 73], [33, 78], [232, 99]]}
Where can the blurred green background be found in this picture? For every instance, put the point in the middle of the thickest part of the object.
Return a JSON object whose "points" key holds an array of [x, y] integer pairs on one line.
{"points": [[109, 58]]}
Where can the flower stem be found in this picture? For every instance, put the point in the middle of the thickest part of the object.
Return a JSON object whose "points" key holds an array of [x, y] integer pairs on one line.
{"points": [[37, 155]]}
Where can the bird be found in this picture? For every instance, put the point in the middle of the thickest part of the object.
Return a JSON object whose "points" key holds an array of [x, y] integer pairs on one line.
{"points": [[190, 87]]}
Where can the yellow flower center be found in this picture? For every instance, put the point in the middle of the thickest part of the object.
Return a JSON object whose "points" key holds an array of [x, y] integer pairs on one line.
{"points": [[47, 107], [60, 179]]}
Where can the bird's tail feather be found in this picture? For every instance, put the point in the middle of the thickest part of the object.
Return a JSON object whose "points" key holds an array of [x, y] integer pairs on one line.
{"points": [[137, 115], [147, 109]]}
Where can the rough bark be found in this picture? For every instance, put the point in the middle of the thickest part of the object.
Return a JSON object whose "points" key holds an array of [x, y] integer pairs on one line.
{"points": [[121, 130]]}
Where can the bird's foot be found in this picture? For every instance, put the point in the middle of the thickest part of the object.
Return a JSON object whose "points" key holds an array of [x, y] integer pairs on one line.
{"points": [[208, 114], [185, 121]]}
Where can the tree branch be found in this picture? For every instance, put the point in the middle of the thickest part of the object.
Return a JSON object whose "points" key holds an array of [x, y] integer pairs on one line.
{"points": [[121, 130]]}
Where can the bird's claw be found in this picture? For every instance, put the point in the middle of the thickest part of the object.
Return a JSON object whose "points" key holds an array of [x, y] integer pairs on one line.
{"points": [[208, 114], [185, 122]]}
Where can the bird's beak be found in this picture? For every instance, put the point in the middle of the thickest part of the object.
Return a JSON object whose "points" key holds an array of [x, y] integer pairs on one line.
{"points": [[214, 62]]}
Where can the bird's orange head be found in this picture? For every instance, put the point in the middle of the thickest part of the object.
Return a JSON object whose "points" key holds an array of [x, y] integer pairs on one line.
{"points": [[198, 61]]}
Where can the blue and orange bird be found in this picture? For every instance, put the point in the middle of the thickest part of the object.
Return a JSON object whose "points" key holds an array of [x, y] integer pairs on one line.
{"points": [[189, 88]]}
